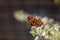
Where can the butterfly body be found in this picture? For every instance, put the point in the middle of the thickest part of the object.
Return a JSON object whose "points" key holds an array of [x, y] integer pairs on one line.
{"points": [[34, 22]]}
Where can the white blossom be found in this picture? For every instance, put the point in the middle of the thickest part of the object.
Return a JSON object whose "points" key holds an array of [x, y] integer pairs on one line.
{"points": [[51, 21], [49, 29], [45, 20], [36, 38]]}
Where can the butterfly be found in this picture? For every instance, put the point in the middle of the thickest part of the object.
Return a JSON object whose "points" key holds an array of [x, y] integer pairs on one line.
{"points": [[34, 22]]}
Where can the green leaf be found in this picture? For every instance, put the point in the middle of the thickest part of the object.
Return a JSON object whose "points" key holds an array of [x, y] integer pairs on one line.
{"points": [[49, 33], [58, 36], [32, 32], [34, 29]]}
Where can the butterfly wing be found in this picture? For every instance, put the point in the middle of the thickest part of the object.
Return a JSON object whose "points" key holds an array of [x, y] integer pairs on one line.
{"points": [[34, 22], [31, 20], [39, 21]]}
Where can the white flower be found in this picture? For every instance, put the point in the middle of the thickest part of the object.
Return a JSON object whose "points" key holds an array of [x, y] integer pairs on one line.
{"points": [[55, 25], [51, 21], [39, 31], [36, 38], [46, 27], [45, 20], [56, 29], [38, 17], [20, 15], [46, 37]]}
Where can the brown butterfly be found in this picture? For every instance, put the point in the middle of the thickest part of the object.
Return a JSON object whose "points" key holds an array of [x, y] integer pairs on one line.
{"points": [[34, 22]]}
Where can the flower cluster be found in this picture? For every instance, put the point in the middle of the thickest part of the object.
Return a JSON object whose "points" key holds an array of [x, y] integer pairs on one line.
{"points": [[49, 30]]}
